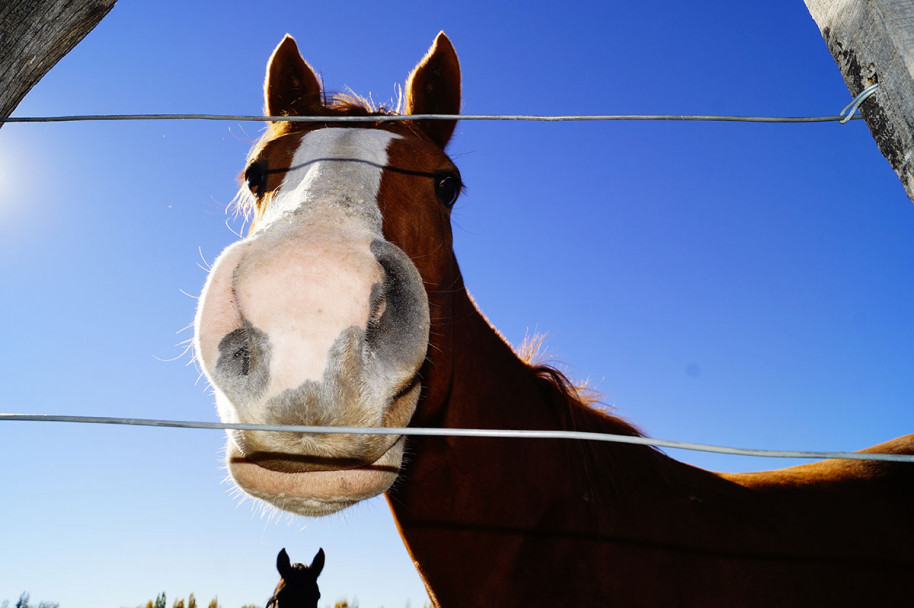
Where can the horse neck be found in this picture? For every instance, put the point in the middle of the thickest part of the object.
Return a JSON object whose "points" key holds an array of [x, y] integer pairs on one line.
{"points": [[482, 497], [474, 379]]}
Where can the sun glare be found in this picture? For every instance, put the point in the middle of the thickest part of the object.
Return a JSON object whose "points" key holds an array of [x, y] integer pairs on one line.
{"points": [[22, 179], [11, 166], [20, 216]]}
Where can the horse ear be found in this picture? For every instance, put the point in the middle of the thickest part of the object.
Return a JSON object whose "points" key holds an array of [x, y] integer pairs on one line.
{"points": [[283, 563], [291, 87], [317, 564], [433, 87]]}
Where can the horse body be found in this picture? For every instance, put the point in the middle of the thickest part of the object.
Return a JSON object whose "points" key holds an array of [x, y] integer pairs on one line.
{"points": [[345, 306]]}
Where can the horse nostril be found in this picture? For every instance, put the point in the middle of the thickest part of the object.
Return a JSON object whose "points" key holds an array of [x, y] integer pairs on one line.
{"points": [[399, 307], [377, 311], [243, 363], [378, 307], [243, 354]]}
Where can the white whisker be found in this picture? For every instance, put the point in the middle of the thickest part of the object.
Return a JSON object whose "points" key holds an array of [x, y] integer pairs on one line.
{"points": [[206, 265], [185, 328], [232, 230]]}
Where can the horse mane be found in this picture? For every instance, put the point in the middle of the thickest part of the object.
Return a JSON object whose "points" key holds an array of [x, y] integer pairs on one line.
{"points": [[582, 405], [579, 407]]}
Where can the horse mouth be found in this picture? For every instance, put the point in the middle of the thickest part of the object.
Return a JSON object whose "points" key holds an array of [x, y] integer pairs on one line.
{"points": [[314, 492]]}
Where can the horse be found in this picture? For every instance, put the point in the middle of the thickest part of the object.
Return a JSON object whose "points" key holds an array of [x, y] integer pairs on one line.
{"points": [[344, 306], [297, 587]]}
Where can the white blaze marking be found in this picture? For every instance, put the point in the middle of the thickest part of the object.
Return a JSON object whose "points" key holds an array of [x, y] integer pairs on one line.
{"points": [[333, 166]]}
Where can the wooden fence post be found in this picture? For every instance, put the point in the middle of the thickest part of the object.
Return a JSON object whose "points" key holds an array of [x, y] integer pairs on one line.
{"points": [[873, 41], [34, 35]]}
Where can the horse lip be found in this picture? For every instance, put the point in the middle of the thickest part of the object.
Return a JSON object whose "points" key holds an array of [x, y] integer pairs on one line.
{"points": [[283, 462], [315, 492], [289, 452]]}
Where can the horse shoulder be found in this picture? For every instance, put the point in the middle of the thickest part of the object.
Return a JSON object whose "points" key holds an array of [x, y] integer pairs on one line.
{"points": [[836, 473], [846, 507]]}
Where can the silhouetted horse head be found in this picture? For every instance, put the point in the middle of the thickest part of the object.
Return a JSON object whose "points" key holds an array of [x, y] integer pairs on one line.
{"points": [[297, 587]]}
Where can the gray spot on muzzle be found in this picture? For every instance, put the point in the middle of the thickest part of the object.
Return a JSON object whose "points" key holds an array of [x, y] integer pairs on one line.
{"points": [[243, 369], [318, 403], [343, 397]]}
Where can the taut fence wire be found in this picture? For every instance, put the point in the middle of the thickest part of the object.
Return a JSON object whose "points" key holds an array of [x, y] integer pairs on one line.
{"points": [[442, 432], [841, 118], [847, 114]]}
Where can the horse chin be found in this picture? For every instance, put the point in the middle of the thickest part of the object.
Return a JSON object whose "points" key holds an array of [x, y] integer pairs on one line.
{"points": [[317, 492], [318, 474]]}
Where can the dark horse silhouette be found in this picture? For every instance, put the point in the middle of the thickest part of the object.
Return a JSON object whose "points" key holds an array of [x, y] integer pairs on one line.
{"points": [[297, 587]]}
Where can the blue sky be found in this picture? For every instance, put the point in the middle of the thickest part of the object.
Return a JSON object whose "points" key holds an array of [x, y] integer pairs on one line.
{"points": [[726, 283]]}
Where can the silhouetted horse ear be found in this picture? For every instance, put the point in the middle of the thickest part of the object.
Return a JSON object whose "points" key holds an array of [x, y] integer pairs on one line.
{"points": [[317, 564], [283, 563], [291, 87], [434, 88]]}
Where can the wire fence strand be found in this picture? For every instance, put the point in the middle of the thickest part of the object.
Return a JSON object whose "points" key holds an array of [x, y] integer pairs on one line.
{"points": [[463, 117], [448, 432]]}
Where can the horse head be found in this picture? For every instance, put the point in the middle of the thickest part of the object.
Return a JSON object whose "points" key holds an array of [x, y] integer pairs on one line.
{"points": [[321, 315], [297, 587]]}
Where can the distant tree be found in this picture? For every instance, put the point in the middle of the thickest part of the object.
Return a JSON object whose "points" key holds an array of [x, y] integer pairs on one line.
{"points": [[190, 602], [23, 602]]}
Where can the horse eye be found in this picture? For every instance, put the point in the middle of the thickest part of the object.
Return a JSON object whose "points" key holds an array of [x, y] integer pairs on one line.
{"points": [[447, 188], [255, 176]]}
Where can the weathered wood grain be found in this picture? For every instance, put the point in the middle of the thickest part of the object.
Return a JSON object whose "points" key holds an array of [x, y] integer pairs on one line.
{"points": [[873, 41]]}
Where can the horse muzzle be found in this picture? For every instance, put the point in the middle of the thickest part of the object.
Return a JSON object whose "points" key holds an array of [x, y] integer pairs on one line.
{"points": [[320, 323]]}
